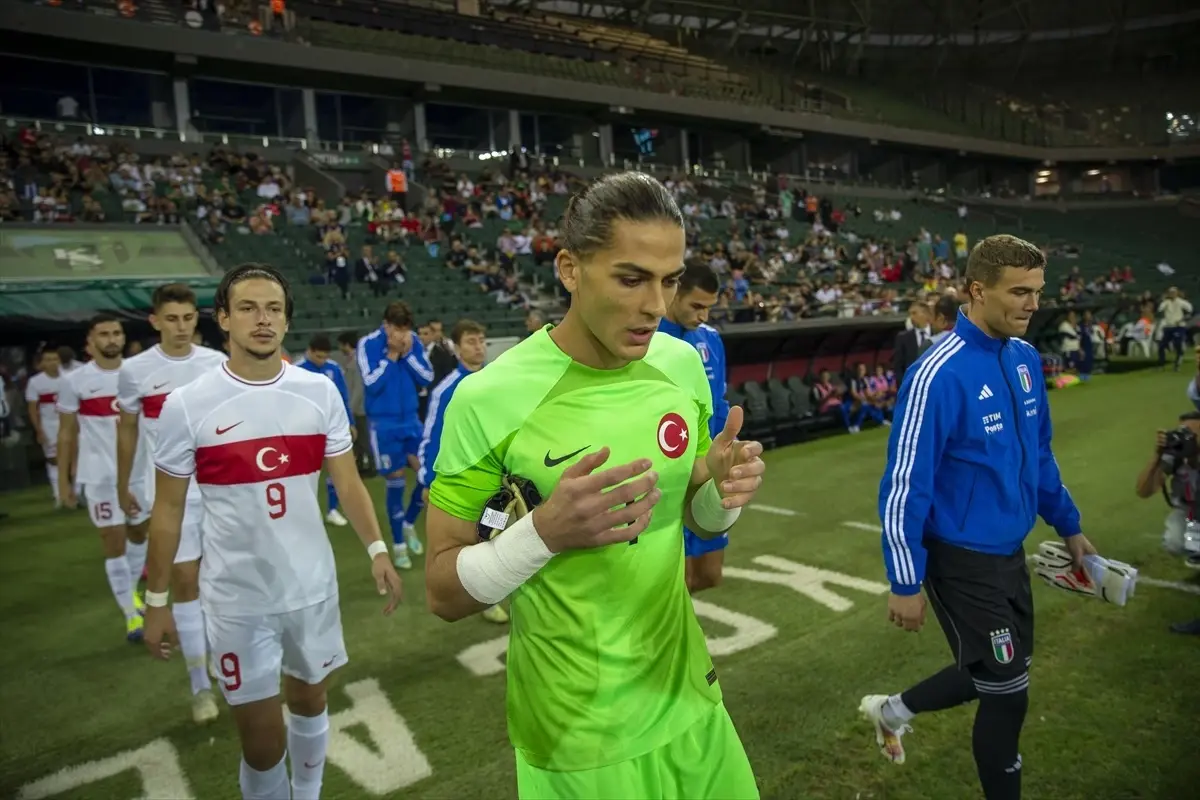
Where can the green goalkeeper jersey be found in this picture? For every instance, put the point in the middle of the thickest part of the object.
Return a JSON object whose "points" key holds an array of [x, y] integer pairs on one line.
{"points": [[606, 660]]}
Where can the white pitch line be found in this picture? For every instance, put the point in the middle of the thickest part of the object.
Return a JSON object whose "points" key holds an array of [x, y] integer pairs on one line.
{"points": [[863, 526], [783, 512], [1190, 588]]}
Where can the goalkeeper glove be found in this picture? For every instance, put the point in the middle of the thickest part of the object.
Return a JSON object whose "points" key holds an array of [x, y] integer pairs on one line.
{"points": [[1110, 580], [516, 498], [1191, 538]]}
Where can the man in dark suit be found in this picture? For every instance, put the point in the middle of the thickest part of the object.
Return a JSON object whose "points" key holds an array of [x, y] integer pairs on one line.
{"points": [[911, 343], [442, 356], [945, 315]]}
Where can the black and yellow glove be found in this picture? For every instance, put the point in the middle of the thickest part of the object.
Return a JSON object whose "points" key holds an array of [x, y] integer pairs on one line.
{"points": [[516, 498]]}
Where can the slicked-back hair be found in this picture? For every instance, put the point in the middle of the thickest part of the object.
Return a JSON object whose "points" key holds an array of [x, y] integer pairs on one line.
{"points": [[172, 293], [465, 327], [990, 256], [629, 196], [251, 271], [698, 275]]}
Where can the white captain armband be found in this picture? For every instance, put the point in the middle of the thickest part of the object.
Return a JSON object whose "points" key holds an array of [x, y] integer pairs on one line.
{"points": [[490, 571], [708, 512]]}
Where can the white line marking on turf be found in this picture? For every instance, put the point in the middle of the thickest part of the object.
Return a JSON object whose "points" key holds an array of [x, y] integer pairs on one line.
{"points": [[783, 512], [1190, 588], [747, 631], [864, 526], [156, 763]]}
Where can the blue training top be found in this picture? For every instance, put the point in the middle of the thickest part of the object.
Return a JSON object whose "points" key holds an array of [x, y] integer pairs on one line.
{"points": [[969, 458], [707, 341]]}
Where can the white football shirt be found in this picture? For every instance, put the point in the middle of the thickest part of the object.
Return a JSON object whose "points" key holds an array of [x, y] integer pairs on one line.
{"points": [[145, 381], [43, 390], [90, 393], [256, 451]]}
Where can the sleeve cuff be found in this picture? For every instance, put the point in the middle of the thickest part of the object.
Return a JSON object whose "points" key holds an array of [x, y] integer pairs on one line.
{"points": [[340, 451], [173, 473], [1067, 531], [905, 588]]}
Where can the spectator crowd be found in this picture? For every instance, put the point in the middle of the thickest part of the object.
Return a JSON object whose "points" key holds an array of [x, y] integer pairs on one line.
{"points": [[782, 252]]}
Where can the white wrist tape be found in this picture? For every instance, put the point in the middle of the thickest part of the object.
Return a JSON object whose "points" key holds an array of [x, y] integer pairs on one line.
{"points": [[491, 571], [708, 512], [375, 548], [156, 599]]}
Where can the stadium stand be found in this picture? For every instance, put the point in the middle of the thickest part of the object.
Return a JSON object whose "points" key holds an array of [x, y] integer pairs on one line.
{"points": [[483, 246]]}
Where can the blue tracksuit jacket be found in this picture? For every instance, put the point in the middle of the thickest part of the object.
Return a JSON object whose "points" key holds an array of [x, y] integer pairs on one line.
{"points": [[969, 458], [435, 418], [334, 372], [390, 388], [708, 344]]}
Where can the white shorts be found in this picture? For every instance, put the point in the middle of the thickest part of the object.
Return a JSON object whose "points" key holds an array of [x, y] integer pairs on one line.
{"points": [[190, 547], [105, 511], [249, 653]]}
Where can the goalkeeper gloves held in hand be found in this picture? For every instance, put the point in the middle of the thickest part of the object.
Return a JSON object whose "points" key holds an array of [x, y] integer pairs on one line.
{"points": [[1112, 581], [516, 498]]}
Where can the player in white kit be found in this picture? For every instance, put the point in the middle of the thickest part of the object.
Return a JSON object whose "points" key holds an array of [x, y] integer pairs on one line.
{"points": [[254, 433], [41, 393], [87, 448], [145, 381]]}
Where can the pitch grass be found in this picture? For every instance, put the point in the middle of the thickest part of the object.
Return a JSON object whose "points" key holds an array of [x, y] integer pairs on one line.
{"points": [[1114, 700]]}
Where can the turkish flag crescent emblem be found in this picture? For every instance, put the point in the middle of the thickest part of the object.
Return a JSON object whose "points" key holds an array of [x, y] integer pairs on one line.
{"points": [[672, 435]]}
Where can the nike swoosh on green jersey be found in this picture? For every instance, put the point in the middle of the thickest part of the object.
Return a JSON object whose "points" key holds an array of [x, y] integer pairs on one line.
{"points": [[554, 462]]}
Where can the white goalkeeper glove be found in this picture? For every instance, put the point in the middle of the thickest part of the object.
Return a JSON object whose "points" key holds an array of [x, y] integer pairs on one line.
{"points": [[1112, 581]]}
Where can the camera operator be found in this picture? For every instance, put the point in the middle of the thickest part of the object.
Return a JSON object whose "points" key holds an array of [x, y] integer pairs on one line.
{"points": [[1174, 471]]}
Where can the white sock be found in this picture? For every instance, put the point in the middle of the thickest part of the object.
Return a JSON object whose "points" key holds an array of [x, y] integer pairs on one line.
{"points": [[269, 785], [117, 570], [189, 622], [52, 474], [308, 738], [895, 713], [135, 554]]}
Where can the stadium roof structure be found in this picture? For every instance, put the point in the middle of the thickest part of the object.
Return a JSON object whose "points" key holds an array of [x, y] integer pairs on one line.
{"points": [[996, 38]]}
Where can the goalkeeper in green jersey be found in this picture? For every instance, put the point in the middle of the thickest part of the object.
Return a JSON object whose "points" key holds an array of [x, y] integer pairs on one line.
{"points": [[611, 691]]}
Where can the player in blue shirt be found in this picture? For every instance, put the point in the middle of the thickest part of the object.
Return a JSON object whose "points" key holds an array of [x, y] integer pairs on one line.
{"points": [[470, 342], [316, 359], [970, 468], [394, 367], [685, 319]]}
